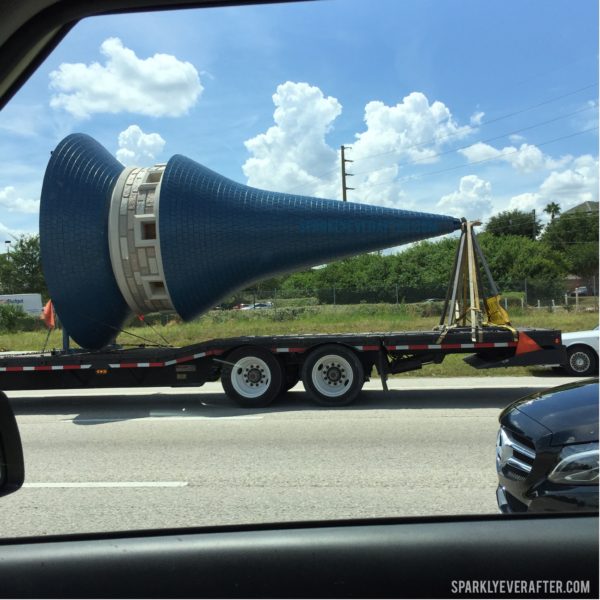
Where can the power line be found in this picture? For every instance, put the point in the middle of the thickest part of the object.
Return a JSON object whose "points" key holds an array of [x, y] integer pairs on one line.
{"points": [[485, 141], [488, 122], [476, 162], [542, 103], [495, 120]]}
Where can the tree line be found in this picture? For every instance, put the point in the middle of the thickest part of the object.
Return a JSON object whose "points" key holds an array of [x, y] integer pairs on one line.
{"points": [[516, 244]]}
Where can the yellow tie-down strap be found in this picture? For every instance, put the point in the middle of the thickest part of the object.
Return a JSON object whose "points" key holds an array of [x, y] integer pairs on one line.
{"points": [[496, 315]]}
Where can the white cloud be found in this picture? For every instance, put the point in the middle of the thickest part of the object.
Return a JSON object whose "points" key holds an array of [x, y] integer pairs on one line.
{"points": [[293, 155], [382, 188], [13, 202], [527, 202], [567, 188], [480, 151], [525, 159], [412, 129], [137, 148], [158, 86], [23, 120], [477, 118], [574, 185], [12, 234], [515, 138], [472, 200]]}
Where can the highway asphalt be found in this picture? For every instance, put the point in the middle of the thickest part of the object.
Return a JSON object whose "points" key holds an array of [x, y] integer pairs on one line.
{"points": [[108, 460]]}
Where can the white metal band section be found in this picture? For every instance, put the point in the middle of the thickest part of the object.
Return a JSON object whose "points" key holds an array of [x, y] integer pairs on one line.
{"points": [[134, 240]]}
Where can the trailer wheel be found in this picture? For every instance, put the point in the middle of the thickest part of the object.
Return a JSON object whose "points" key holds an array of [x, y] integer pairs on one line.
{"points": [[333, 375], [582, 361], [252, 377]]}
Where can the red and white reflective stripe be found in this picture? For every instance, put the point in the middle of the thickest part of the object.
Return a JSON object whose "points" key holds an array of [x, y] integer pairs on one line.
{"points": [[217, 352], [43, 368], [168, 363], [288, 350], [453, 346]]}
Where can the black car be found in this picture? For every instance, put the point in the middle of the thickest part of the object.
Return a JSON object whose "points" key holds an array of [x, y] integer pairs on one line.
{"points": [[547, 451]]}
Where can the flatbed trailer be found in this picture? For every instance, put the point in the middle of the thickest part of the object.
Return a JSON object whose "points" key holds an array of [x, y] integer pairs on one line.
{"points": [[255, 370]]}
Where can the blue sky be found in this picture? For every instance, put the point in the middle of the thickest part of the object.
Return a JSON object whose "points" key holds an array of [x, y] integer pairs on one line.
{"points": [[266, 94]]}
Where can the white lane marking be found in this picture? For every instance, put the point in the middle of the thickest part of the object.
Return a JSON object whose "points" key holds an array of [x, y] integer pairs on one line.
{"points": [[166, 417], [107, 484]]}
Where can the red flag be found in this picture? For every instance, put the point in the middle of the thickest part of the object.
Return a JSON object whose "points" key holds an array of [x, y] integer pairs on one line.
{"points": [[48, 315]]}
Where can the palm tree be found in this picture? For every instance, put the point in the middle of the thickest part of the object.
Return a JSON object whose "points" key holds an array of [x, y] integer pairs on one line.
{"points": [[552, 209]]}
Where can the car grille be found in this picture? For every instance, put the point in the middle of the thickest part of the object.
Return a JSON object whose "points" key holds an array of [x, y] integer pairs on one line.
{"points": [[515, 455]]}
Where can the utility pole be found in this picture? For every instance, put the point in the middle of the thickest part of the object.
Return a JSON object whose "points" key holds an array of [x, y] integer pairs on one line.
{"points": [[345, 188], [3, 287]]}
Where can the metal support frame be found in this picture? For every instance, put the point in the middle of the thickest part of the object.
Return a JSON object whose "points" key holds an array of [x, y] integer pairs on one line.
{"points": [[65, 340], [464, 304]]}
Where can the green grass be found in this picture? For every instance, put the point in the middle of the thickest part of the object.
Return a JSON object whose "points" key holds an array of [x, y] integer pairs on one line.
{"points": [[321, 319]]}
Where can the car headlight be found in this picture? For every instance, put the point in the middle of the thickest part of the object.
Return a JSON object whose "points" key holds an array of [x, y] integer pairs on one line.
{"points": [[578, 465]]}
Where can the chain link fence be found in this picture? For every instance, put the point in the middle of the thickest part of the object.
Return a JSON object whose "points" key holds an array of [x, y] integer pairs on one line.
{"points": [[522, 293], [425, 300]]}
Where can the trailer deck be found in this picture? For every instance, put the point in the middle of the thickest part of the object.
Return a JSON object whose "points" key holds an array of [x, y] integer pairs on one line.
{"points": [[390, 352], [255, 370]]}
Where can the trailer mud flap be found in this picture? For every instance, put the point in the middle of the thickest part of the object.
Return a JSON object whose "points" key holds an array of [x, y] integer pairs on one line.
{"points": [[553, 356], [382, 368]]}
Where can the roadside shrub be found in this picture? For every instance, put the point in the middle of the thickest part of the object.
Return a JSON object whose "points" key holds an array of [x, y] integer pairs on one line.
{"points": [[431, 309], [293, 302], [13, 319], [291, 313]]}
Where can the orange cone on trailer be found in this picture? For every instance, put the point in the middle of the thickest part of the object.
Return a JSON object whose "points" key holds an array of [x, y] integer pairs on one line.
{"points": [[526, 344]]}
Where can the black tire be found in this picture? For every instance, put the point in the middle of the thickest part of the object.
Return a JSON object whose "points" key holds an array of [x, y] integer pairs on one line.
{"points": [[333, 375], [581, 361], [252, 377]]}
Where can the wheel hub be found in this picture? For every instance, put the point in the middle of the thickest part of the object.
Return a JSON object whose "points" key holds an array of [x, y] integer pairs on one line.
{"points": [[580, 361], [333, 373], [333, 377], [253, 375]]}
